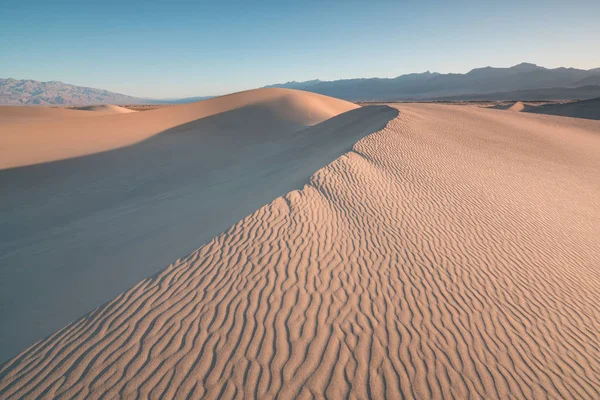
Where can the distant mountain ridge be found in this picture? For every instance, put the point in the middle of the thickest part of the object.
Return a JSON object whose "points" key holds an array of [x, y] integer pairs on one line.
{"points": [[433, 85], [30, 92], [524, 81]]}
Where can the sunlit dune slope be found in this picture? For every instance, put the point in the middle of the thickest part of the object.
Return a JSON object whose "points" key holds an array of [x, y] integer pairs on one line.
{"points": [[453, 254], [55, 139]]}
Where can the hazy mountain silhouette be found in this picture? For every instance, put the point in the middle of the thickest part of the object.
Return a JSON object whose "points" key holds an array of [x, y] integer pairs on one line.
{"points": [[428, 85], [521, 82], [13, 91], [30, 92]]}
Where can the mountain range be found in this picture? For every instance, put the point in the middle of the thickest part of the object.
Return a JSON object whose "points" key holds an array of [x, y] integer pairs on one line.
{"points": [[25, 92], [488, 83], [521, 82]]}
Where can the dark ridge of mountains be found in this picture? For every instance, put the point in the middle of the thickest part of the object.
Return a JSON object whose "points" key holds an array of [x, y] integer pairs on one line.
{"points": [[477, 82], [556, 93], [520, 82]]}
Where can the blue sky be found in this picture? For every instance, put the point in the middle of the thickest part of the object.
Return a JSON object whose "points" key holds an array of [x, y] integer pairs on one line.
{"points": [[190, 48]]}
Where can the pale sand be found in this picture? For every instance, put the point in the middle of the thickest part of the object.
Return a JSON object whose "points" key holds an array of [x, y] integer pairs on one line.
{"points": [[55, 139], [452, 254], [77, 232]]}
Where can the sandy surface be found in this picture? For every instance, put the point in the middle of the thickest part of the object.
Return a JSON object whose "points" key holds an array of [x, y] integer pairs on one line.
{"points": [[452, 254], [77, 232]]}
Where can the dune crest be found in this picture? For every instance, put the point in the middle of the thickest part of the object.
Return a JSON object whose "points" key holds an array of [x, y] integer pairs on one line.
{"points": [[453, 253]]}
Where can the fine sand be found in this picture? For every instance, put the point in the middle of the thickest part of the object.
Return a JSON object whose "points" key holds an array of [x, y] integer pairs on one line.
{"points": [[453, 253]]}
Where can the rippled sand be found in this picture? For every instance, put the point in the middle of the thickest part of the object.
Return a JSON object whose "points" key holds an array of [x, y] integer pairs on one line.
{"points": [[454, 253]]}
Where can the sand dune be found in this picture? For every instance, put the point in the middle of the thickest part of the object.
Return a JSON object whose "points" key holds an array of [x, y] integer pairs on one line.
{"points": [[517, 106], [32, 113], [105, 109], [452, 254], [56, 139], [27, 114], [77, 232], [587, 109]]}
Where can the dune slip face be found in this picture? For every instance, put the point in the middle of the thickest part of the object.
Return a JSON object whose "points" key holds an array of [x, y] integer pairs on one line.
{"points": [[453, 254]]}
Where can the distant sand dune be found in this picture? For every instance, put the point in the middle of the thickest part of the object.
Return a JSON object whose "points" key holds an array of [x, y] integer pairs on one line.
{"points": [[587, 109], [452, 254], [105, 109], [517, 106], [78, 232], [27, 114], [56, 139]]}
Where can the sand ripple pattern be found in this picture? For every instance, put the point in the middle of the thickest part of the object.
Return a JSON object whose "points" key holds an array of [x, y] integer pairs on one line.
{"points": [[453, 254]]}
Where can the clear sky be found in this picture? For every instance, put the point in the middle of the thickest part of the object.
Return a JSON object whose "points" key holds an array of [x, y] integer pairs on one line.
{"points": [[175, 48]]}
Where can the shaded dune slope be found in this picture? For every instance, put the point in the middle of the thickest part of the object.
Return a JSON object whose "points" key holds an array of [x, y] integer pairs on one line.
{"points": [[77, 232], [452, 254], [56, 139]]}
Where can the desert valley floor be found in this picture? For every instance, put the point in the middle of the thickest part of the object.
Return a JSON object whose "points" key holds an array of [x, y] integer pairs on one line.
{"points": [[281, 244]]}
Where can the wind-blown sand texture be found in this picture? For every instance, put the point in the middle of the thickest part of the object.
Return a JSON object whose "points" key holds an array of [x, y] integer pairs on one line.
{"points": [[77, 232], [452, 254]]}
